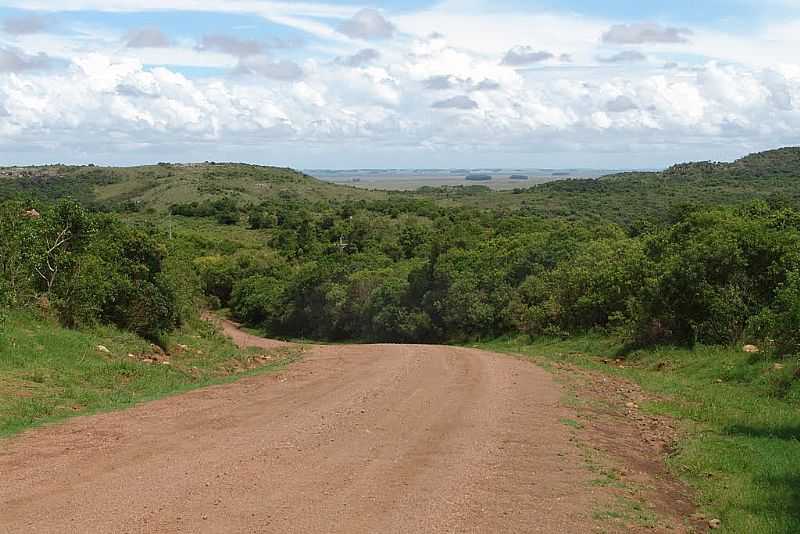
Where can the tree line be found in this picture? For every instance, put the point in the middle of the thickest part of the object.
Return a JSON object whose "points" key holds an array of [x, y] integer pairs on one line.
{"points": [[407, 269], [410, 270]]}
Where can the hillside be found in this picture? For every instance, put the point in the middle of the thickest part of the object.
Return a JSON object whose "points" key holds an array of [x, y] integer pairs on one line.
{"points": [[626, 198], [630, 197], [159, 186]]}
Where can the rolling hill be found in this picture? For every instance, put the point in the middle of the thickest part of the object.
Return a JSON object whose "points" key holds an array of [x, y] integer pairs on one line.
{"points": [[626, 198], [159, 186]]}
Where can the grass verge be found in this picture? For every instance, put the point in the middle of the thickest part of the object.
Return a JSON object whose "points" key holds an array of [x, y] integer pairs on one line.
{"points": [[49, 373], [740, 415]]}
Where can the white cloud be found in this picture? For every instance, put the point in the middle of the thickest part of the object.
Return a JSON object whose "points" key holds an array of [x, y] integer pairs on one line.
{"points": [[456, 102], [449, 80], [147, 38], [264, 66], [360, 58], [230, 45], [122, 102], [15, 60], [646, 32], [367, 24], [525, 55], [626, 56]]}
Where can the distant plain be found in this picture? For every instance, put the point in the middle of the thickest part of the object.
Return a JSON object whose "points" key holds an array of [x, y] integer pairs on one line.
{"points": [[413, 179]]}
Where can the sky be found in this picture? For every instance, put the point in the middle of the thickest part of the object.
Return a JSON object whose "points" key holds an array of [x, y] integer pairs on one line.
{"points": [[398, 84]]}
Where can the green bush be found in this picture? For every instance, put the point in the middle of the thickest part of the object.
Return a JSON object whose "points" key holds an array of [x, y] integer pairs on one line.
{"points": [[88, 268]]}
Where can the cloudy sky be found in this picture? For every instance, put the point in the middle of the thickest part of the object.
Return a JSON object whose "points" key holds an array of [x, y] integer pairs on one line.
{"points": [[419, 83]]}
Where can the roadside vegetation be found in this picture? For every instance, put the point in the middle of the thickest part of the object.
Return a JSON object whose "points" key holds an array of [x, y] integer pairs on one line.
{"points": [[672, 273], [739, 412], [48, 372], [97, 314]]}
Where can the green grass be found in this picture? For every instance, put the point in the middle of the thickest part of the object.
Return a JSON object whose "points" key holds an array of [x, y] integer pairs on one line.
{"points": [[160, 186], [741, 414], [48, 373]]}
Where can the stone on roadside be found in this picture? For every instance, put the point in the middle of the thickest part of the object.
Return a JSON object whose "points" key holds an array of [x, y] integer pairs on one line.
{"points": [[103, 349], [751, 349]]}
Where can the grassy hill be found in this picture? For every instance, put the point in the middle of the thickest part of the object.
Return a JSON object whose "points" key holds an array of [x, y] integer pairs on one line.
{"points": [[629, 197], [159, 186], [625, 198]]}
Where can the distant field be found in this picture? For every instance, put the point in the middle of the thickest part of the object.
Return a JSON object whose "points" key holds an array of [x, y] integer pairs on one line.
{"points": [[411, 180]]}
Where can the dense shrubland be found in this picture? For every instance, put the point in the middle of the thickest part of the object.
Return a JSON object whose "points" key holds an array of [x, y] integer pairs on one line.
{"points": [[84, 268], [422, 266], [415, 271]]}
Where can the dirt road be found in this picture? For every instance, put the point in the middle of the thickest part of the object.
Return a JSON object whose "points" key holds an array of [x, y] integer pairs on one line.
{"points": [[353, 439]]}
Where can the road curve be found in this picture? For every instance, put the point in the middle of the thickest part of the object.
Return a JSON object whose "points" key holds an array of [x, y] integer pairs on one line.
{"points": [[352, 439]]}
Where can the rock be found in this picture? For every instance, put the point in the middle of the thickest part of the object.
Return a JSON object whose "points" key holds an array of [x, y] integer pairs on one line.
{"points": [[751, 349], [31, 214], [131, 355], [165, 363], [103, 349], [778, 367], [715, 524], [632, 405]]}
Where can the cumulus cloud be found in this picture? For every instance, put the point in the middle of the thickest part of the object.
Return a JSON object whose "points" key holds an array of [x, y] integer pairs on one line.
{"points": [[626, 56], [367, 24], [360, 58], [447, 82], [103, 102], [268, 68], [487, 85], [231, 45], [15, 60], [621, 104], [147, 38], [525, 55], [645, 33], [25, 24], [133, 91], [438, 83], [456, 102]]}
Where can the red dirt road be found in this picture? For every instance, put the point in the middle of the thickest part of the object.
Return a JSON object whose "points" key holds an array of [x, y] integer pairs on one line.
{"points": [[353, 439]]}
